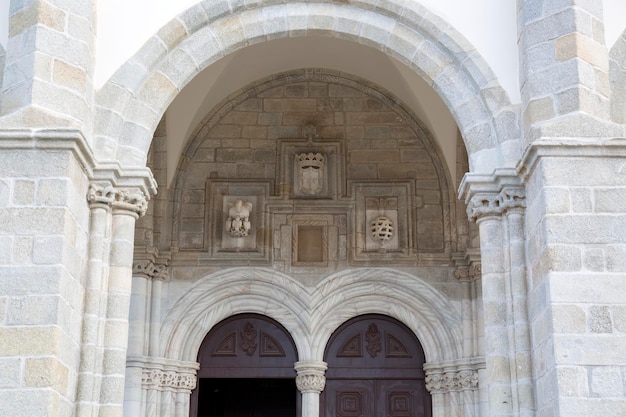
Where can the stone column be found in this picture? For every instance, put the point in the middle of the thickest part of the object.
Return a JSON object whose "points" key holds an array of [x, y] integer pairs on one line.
{"points": [[311, 381], [143, 333], [126, 208], [497, 204]]}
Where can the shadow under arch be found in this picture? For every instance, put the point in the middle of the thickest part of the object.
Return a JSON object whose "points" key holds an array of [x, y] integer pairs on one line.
{"points": [[131, 104], [311, 314]]}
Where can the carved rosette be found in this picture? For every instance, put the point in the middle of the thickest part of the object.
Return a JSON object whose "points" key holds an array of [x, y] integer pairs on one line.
{"points": [[133, 201], [496, 204], [311, 376], [168, 380], [149, 269], [439, 381]]}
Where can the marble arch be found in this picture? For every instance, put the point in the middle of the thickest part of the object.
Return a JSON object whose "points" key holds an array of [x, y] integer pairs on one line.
{"points": [[312, 314], [130, 105]]}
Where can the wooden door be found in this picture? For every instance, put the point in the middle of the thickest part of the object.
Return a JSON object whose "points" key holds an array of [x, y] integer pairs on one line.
{"points": [[246, 370], [375, 369]]}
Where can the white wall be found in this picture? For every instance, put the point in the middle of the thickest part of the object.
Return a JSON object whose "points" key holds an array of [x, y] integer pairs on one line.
{"points": [[614, 20], [4, 23]]}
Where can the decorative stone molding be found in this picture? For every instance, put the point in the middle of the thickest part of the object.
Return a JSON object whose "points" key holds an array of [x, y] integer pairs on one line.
{"points": [[164, 374], [453, 377], [149, 269], [311, 376], [121, 199], [492, 195]]}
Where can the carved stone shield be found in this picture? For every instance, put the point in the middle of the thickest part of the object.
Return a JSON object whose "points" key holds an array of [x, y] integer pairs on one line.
{"points": [[311, 180]]}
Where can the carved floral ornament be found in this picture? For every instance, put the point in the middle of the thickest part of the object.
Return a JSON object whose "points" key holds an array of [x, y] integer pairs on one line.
{"points": [[118, 198]]}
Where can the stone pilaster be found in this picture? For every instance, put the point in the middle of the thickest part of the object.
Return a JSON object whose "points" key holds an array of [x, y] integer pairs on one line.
{"points": [[310, 381], [575, 221], [564, 69], [496, 202], [49, 68]]}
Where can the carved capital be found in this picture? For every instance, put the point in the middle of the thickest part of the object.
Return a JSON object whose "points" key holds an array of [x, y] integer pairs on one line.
{"points": [[311, 376], [168, 380], [454, 376], [440, 381], [118, 199], [149, 269], [493, 194], [469, 272]]}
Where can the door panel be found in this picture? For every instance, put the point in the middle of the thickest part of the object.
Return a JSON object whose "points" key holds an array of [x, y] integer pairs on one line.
{"points": [[375, 369]]}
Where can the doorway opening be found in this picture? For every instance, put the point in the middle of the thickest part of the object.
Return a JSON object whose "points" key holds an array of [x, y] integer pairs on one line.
{"points": [[246, 370], [249, 397], [375, 368]]}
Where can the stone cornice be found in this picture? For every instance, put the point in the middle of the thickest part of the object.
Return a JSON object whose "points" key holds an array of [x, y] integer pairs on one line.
{"points": [[492, 195], [73, 140], [568, 148]]}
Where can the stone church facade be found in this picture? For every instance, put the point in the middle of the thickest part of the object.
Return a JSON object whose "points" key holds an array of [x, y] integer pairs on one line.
{"points": [[314, 188]]}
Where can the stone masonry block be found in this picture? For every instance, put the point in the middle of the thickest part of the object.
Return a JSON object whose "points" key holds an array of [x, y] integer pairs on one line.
{"points": [[10, 373], [606, 381], [23, 192], [173, 33], [36, 310], [576, 45], [28, 341], [599, 320], [594, 259], [569, 318], [69, 76], [615, 258], [52, 192], [573, 381], [46, 372], [619, 318], [610, 200]]}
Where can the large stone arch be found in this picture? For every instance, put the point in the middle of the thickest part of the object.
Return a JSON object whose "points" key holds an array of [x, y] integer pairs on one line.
{"points": [[312, 314], [131, 103], [617, 68]]}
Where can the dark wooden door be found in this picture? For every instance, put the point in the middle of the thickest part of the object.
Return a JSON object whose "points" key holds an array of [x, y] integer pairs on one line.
{"points": [[375, 369], [246, 370]]}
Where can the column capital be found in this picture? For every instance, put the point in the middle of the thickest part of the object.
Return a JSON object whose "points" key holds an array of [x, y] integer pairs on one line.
{"points": [[311, 376], [165, 374], [492, 195], [148, 269], [132, 200], [453, 376]]}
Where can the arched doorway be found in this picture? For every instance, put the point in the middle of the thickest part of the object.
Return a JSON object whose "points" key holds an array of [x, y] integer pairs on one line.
{"points": [[375, 368], [246, 370]]}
